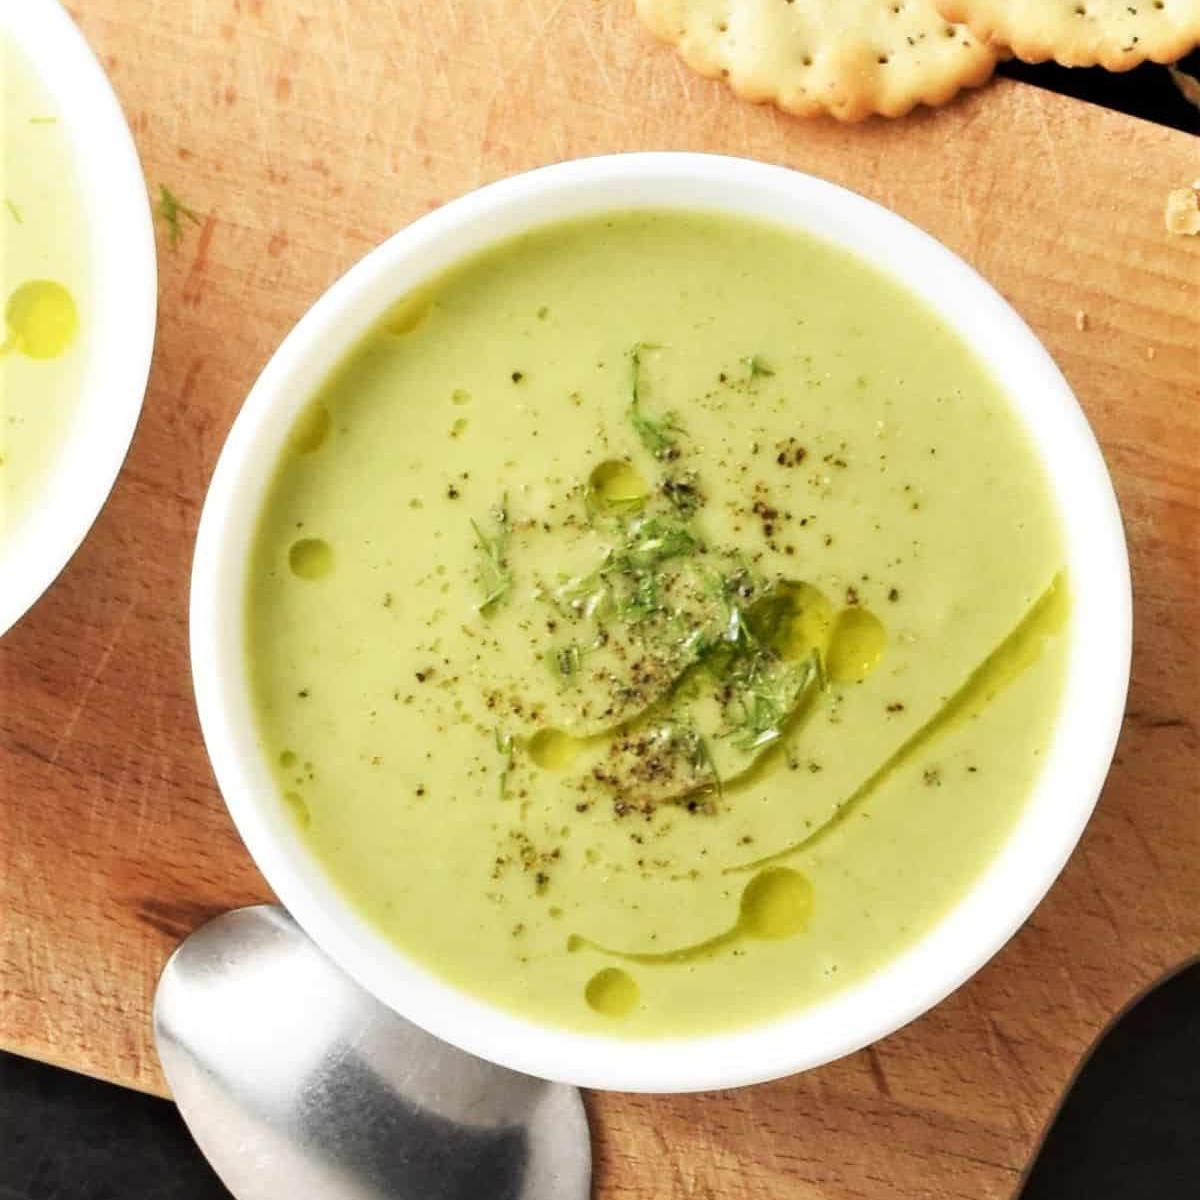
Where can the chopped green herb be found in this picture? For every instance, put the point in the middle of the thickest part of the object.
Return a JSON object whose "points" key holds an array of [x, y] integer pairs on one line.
{"points": [[696, 639], [504, 744], [704, 760], [16, 212], [764, 693], [654, 540], [43, 120], [585, 595], [635, 571], [657, 435], [495, 578], [628, 582], [172, 212]]}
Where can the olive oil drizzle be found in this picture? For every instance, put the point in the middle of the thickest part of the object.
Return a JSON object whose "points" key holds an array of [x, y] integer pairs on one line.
{"points": [[495, 577], [1019, 650], [775, 904]]}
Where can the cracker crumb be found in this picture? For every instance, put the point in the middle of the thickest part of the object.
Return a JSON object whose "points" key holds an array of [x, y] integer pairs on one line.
{"points": [[1150, 352], [1182, 213], [1081, 320]]}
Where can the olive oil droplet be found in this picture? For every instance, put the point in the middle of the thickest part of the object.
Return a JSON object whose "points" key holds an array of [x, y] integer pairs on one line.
{"points": [[811, 621], [857, 645], [776, 903], [406, 314], [41, 318], [611, 992], [311, 558], [552, 749], [616, 483], [298, 808], [311, 429]]}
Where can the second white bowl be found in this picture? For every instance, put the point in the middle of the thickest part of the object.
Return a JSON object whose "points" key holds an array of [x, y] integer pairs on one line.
{"points": [[118, 311]]}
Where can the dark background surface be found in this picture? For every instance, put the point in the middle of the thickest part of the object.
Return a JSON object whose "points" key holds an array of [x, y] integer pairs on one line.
{"points": [[1147, 91], [1129, 1129]]}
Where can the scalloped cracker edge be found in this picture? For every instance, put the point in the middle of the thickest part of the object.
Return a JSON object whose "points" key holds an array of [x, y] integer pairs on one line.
{"points": [[848, 58], [1115, 34]]}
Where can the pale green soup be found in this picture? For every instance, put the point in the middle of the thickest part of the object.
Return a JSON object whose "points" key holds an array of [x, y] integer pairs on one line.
{"points": [[43, 273], [656, 623]]}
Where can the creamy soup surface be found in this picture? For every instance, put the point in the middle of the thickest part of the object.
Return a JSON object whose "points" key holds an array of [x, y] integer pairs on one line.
{"points": [[43, 276], [656, 623]]}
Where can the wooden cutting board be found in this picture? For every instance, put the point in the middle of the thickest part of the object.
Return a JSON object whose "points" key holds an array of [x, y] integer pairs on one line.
{"points": [[303, 132]]}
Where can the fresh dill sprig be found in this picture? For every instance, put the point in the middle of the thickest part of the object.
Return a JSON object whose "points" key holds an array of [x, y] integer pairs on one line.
{"points": [[495, 578], [681, 737], [760, 690], [653, 540], [764, 694], [658, 435], [504, 744], [635, 569], [703, 759], [627, 584], [584, 595], [172, 212], [762, 721]]}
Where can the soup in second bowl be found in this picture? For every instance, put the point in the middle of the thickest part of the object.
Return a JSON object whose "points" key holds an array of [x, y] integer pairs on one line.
{"points": [[43, 288]]}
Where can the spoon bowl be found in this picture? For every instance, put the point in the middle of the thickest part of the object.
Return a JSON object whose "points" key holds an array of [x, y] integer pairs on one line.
{"points": [[294, 1081]]}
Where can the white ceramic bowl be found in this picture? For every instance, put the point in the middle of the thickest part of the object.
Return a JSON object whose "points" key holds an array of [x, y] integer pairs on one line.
{"points": [[1075, 767], [119, 306]]}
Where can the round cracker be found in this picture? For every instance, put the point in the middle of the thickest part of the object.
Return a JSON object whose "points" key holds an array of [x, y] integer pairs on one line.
{"points": [[1116, 34], [849, 58]]}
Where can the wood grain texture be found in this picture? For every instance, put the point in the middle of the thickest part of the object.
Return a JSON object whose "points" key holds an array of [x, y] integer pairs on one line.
{"points": [[305, 132]]}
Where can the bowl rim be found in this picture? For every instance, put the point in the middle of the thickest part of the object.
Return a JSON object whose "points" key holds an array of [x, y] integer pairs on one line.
{"points": [[1063, 797], [123, 287]]}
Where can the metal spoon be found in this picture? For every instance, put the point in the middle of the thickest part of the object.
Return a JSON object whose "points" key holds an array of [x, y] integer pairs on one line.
{"points": [[295, 1082]]}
